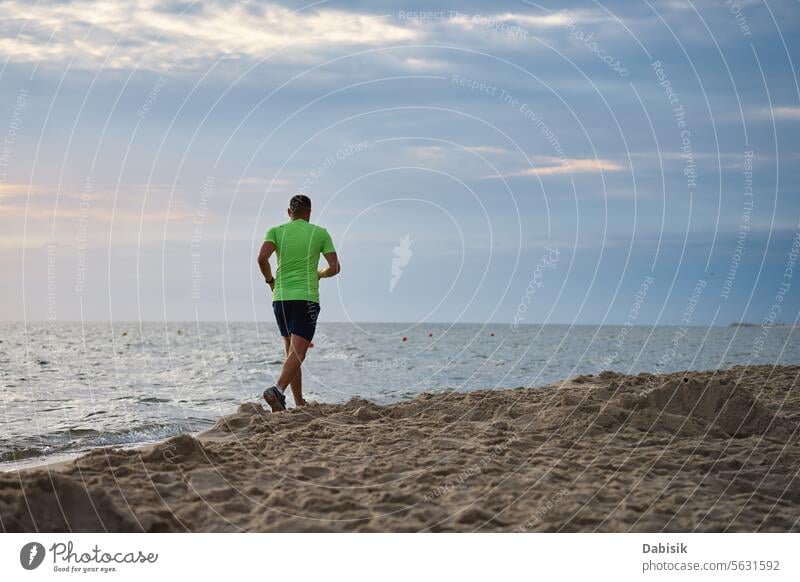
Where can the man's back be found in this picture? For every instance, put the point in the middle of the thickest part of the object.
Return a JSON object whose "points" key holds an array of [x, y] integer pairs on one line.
{"points": [[298, 245]]}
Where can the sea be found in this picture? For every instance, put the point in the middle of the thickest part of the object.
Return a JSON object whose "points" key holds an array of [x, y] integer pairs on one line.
{"points": [[66, 388]]}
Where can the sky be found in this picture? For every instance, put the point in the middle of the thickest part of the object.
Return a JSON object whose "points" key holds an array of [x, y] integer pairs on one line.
{"points": [[631, 163]]}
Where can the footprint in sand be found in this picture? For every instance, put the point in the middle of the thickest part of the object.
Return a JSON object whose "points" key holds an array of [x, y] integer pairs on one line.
{"points": [[312, 472]]}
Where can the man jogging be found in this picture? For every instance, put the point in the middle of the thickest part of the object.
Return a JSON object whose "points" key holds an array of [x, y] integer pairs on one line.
{"points": [[295, 291]]}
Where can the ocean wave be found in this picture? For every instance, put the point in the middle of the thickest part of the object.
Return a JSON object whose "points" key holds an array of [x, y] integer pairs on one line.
{"points": [[80, 440]]}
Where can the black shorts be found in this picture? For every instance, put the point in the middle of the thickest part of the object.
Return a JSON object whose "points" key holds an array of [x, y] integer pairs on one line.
{"points": [[296, 317]]}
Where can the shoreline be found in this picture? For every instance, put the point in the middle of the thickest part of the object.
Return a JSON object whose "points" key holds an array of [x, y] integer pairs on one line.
{"points": [[687, 451]]}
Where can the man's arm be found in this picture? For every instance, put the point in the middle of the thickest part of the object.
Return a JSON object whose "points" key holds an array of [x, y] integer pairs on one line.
{"points": [[333, 268], [263, 262]]}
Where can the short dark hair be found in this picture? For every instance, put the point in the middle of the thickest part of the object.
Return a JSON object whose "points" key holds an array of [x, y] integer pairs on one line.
{"points": [[299, 204]]}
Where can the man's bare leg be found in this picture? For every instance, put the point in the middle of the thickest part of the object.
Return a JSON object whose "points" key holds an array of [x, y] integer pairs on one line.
{"points": [[296, 382], [289, 375]]}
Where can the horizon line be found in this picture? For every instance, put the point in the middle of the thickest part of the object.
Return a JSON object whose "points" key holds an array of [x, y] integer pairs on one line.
{"points": [[486, 324]]}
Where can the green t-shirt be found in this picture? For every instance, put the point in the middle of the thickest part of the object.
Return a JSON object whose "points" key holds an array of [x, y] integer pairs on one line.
{"points": [[298, 245]]}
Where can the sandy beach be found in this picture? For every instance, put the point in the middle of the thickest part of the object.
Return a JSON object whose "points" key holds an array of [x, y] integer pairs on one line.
{"points": [[699, 451]]}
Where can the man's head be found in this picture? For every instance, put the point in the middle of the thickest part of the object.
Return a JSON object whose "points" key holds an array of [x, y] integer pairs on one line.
{"points": [[299, 207]]}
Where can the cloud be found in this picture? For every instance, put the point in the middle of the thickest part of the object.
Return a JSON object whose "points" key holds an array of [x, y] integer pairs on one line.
{"points": [[542, 165], [786, 113], [432, 152], [477, 21], [104, 215], [417, 64], [152, 35], [549, 166], [489, 150], [140, 33]]}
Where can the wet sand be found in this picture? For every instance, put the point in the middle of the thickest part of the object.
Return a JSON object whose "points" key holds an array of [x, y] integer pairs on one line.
{"points": [[696, 451]]}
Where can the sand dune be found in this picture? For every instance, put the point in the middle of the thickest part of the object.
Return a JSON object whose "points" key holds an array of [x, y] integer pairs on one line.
{"points": [[707, 451]]}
